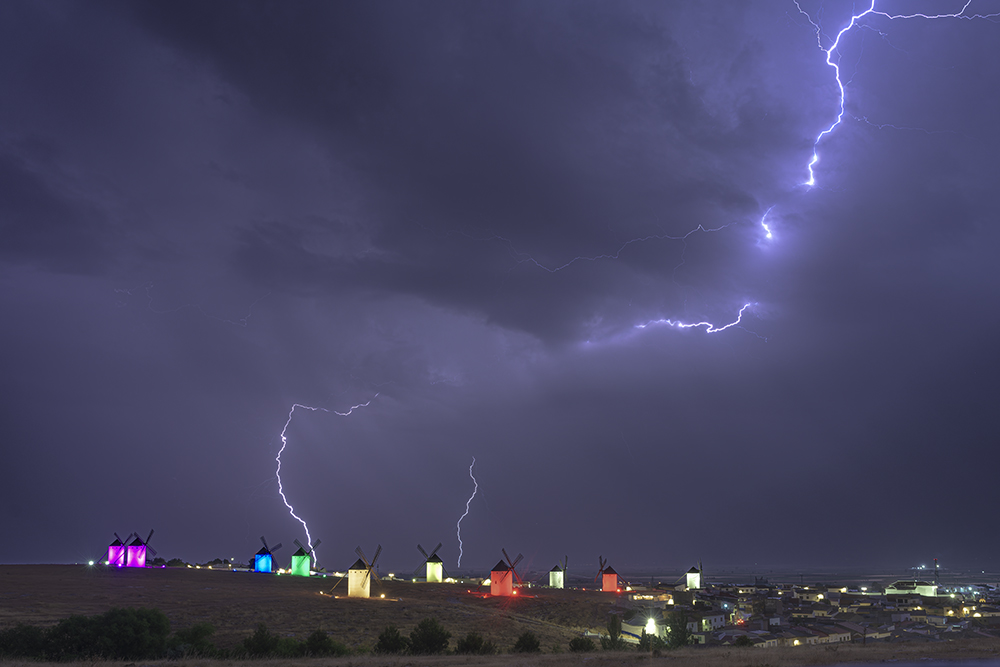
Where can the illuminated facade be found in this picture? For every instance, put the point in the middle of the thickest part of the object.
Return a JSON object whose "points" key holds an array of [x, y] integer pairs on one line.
{"points": [[300, 563], [501, 580], [557, 578], [135, 554], [116, 554], [609, 581], [693, 579], [262, 561], [435, 569], [359, 580]]}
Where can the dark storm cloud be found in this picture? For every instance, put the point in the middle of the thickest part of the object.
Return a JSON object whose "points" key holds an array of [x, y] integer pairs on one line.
{"points": [[212, 211]]}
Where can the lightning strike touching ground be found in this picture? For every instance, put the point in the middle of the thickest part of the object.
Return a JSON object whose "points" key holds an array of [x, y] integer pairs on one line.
{"points": [[284, 443], [458, 525], [835, 63]]}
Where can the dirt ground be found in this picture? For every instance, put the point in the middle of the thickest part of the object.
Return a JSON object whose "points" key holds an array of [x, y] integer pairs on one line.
{"points": [[235, 602]]}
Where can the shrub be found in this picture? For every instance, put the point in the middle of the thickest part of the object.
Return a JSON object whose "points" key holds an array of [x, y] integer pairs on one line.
{"points": [[581, 644], [527, 643], [743, 640], [473, 643], [319, 643], [193, 641], [613, 641], [390, 641], [119, 634], [650, 642], [262, 644], [22, 641], [429, 637]]}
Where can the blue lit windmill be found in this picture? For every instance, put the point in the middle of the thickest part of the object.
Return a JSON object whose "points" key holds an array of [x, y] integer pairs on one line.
{"points": [[263, 560]]}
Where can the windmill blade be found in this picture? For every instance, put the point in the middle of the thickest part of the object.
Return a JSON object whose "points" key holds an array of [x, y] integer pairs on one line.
{"points": [[316, 544], [298, 544], [505, 556], [361, 554], [120, 539], [516, 561], [378, 550], [344, 576], [146, 541], [150, 549], [276, 547], [264, 542], [565, 566], [436, 549], [443, 569], [419, 567], [421, 549]]}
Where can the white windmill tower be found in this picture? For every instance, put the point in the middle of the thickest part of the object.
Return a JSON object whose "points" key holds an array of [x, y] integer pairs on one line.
{"points": [[359, 577]]}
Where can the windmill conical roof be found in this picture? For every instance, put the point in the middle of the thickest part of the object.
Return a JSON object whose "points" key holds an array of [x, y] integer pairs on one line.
{"points": [[501, 567], [136, 543], [611, 570], [359, 565], [263, 551], [116, 543], [434, 559], [300, 552], [693, 570]]}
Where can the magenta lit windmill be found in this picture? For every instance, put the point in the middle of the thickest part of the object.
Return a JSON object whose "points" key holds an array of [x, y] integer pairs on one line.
{"points": [[135, 552], [359, 577], [263, 560], [434, 565], [116, 551], [503, 575]]}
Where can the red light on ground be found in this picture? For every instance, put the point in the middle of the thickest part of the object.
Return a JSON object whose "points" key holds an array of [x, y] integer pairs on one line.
{"points": [[514, 593]]}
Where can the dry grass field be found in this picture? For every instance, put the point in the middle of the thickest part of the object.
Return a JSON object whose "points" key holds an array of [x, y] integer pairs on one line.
{"points": [[235, 602]]}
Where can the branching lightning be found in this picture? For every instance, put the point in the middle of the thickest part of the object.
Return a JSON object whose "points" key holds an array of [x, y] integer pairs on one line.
{"points": [[284, 443], [834, 61], [458, 526], [709, 327]]}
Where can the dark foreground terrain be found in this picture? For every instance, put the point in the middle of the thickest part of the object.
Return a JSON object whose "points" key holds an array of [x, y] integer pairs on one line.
{"points": [[234, 603]]}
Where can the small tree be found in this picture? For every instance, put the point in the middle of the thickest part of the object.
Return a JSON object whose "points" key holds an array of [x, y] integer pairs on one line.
{"points": [[614, 641], [474, 644], [650, 642], [319, 644], [193, 641], [429, 638], [677, 629], [743, 640], [581, 644], [527, 643], [390, 641]]}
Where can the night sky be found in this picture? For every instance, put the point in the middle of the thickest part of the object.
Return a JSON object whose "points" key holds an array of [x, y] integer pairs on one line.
{"points": [[459, 213]]}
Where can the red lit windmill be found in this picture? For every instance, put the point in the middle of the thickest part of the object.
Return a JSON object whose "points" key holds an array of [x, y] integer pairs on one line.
{"points": [[135, 552], [434, 565], [607, 576], [503, 574]]}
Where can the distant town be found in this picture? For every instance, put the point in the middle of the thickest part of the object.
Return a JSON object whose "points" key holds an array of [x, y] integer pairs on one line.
{"points": [[769, 615]]}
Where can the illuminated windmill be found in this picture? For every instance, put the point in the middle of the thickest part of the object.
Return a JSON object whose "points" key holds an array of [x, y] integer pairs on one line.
{"points": [[302, 559], [608, 577], [503, 574], [135, 552], [359, 577], [557, 575], [434, 564], [263, 560], [116, 551], [694, 578]]}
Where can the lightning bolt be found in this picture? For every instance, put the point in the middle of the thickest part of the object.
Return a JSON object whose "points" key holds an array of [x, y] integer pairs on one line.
{"points": [[284, 443], [709, 327], [834, 61], [458, 525]]}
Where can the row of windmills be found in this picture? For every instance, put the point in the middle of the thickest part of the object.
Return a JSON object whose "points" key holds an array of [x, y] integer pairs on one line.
{"points": [[125, 553], [301, 566]]}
